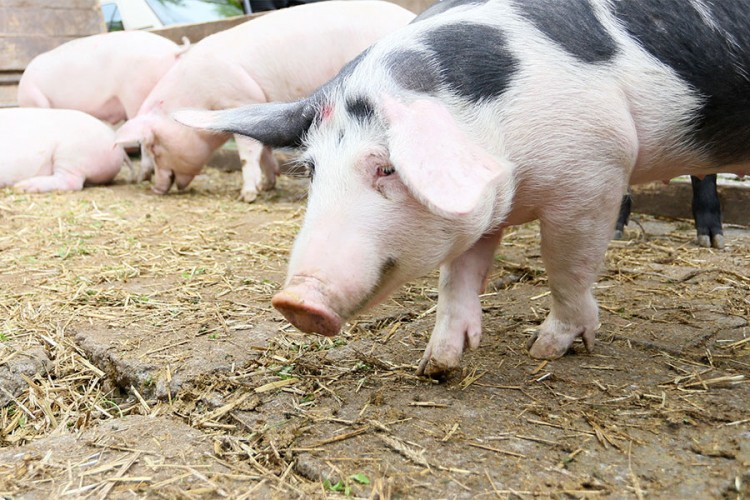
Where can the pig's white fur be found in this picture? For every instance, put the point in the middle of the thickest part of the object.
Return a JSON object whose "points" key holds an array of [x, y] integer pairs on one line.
{"points": [[573, 135]]}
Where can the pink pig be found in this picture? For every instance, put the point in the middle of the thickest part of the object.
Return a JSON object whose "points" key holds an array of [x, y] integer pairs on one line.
{"points": [[56, 150], [107, 76], [282, 56]]}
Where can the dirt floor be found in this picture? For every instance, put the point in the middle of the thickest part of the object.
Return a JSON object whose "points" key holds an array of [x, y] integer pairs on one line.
{"points": [[140, 356]]}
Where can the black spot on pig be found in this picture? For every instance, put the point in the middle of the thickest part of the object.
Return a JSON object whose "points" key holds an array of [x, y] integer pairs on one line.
{"points": [[445, 5], [573, 25], [413, 70], [360, 108], [710, 51], [472, 59]]}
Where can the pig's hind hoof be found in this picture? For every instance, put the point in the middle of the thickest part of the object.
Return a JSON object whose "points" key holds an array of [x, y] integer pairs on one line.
{"points": [[546, 347], [549, 346], [715, 241]]}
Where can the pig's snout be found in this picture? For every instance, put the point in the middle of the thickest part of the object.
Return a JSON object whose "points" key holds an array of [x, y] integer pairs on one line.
{"points": [[304, 304]]}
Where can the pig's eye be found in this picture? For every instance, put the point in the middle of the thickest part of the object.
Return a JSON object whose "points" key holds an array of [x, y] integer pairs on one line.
{"points": [[385, 170], [303, 168]]}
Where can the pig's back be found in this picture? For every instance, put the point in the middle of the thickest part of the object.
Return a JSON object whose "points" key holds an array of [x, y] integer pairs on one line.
{"points": [[29, 129], [292, 52], [87, 73]]}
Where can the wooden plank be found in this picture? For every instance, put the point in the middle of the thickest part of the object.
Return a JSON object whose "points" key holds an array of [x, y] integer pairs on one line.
{"points": [[19, 51], [30, 27], [199, 31], [50, 22], [8, 95], [49, 4]]}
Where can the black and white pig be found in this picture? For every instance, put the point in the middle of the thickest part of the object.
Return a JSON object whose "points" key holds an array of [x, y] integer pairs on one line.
{"points": [[486, 114]]}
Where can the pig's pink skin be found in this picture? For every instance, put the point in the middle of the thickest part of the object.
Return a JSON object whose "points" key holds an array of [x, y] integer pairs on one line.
{"points": [[56, 150], [281, 56], [107, 76], [304, 303], [459, 313]]}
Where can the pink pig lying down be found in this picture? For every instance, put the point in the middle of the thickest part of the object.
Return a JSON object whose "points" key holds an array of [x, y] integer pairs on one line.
{"points": [[56, 150], [282, 56], [107, 76]]}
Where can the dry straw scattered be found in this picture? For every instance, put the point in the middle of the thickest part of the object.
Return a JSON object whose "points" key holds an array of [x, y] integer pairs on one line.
{"points": [[189, 268]]}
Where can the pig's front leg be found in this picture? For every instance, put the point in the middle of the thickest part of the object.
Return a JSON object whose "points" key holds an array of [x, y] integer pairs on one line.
{"points": [[259, 168], [59, 181], [459, 312], [146, 166]]}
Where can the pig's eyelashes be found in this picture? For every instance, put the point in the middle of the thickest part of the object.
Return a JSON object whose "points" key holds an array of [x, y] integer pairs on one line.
{"points": [[385, 170], [303, 168]]}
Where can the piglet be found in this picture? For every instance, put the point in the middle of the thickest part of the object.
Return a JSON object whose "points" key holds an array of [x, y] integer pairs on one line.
{"points": [[56, 150], [280, 56], [107, 76]]}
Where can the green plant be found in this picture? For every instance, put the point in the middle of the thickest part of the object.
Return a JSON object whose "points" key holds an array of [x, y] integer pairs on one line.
{"points": [[360, 478], [338, 487]]}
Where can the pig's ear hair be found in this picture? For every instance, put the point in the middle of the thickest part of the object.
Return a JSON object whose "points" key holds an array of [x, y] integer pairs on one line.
{"points": [[441, 166], [273, 124], [136, 130]]}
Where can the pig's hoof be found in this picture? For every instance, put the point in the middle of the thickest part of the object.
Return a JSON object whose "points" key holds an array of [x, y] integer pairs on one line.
{"points": [[542, 346], [715, 241], [439, 366], [248, 196], [618, 234], [429, 367], [547, 345]]}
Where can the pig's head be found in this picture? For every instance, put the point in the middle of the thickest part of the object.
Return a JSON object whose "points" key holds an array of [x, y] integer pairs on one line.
{"points": [[174, 153], [397, 188]]}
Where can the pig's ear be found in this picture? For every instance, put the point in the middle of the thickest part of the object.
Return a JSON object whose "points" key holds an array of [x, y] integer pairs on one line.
{"points": [[273, 124], [134, 131], [441, 166]]}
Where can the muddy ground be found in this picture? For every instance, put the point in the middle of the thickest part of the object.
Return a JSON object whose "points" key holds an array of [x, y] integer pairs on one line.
{"points": [[141, 357]]}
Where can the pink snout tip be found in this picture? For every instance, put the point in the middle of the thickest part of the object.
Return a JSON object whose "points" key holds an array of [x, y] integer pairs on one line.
{"points": [[307, 315]]}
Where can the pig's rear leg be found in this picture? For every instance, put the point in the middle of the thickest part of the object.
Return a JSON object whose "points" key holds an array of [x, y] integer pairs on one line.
{"points": [[259, 168], [29, 96], [459, 312], [59, 181], [573, 245], [707, 212]]}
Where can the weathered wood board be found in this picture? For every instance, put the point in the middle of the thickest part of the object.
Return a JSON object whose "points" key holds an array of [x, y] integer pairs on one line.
{"points": [[30, 27]]}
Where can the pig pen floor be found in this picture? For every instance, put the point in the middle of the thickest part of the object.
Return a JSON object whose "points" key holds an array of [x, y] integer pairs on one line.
{"points": [[139, 356]]}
